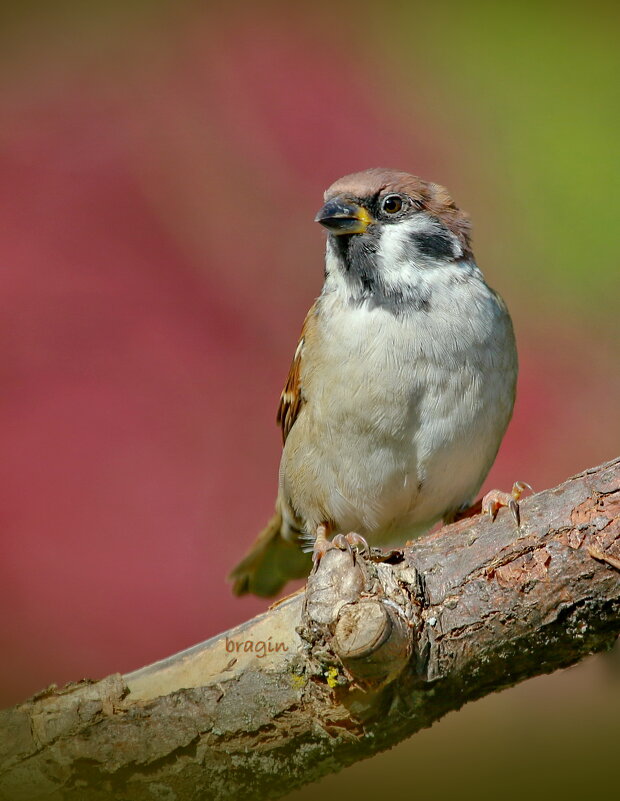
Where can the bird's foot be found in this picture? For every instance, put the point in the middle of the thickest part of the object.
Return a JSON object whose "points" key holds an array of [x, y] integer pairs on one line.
{"points": [[350, 541], [495, 499], [345, 542]]}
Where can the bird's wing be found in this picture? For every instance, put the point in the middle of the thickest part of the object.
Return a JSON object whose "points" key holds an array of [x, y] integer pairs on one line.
{"points": [[292, 398]]}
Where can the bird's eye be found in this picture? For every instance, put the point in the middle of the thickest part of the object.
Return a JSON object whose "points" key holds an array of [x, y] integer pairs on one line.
{"points": [[392, 204]]}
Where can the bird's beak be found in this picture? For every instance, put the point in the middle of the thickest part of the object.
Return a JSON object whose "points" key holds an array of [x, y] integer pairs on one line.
{"points": [[342, 216]]}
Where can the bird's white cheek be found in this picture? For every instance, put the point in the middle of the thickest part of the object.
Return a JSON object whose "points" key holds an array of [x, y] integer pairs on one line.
{"points": [[399, 257], [395, 256]]}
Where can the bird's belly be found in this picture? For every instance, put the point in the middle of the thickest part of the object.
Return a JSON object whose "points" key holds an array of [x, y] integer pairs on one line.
{"points": [[462, 422], [388, 461], [400, 424]]}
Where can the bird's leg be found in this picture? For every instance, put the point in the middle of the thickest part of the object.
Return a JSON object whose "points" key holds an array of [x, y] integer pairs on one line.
{"points": [[494, 500], [345, 542], [321, 542]]}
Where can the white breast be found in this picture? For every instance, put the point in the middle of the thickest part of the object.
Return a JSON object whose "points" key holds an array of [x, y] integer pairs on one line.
{"points": [[404, 412]]}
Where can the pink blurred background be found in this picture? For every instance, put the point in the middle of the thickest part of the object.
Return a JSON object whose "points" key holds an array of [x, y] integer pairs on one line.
{"points": [[161, 169]]}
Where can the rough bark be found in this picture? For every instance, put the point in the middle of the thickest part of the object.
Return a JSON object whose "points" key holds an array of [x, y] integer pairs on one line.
{"points": [[369, 654]]}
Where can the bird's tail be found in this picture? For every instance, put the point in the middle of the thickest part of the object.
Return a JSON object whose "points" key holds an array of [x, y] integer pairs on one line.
{"points": [[270, 563]]}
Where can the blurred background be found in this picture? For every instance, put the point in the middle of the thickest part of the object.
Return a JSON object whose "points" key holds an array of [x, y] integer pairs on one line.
{"points": [[161, 166]]}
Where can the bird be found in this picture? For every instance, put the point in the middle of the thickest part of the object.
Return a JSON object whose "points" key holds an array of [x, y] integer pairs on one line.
{"points": [[400, 389]]}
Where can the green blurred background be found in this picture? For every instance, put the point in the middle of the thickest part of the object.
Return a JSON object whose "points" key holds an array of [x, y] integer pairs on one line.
{"points": [[162, 163]]}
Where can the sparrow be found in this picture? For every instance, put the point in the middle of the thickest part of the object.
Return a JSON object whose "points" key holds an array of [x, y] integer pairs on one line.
{"points": [[401, 387]]}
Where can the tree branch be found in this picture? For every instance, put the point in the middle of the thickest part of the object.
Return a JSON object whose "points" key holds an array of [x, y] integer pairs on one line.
{"points": [[372, 652]]}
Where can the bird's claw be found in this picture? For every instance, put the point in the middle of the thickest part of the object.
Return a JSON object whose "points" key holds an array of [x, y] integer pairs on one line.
{"points": [[340, 541], [344, 542], [358, 542], [514, 508], [494, 500]]}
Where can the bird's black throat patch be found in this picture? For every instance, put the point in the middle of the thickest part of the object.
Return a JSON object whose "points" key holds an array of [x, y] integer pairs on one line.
{"points": [[358, 255]]}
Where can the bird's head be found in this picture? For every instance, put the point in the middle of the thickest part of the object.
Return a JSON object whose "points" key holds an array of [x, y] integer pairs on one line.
{"points": [[388, 228]]}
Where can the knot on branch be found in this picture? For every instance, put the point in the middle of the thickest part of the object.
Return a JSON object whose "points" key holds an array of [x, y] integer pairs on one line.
{"points": [[358, 621]]}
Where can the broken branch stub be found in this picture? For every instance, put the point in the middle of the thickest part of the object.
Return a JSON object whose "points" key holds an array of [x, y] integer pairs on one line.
{"points": [[358, 617]]}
